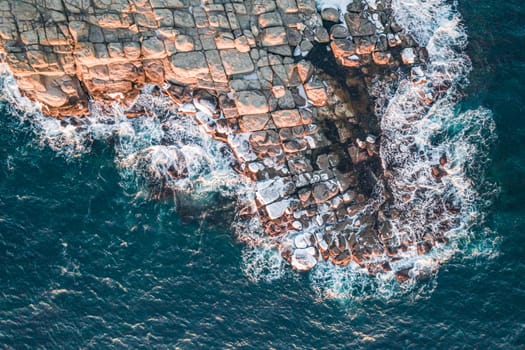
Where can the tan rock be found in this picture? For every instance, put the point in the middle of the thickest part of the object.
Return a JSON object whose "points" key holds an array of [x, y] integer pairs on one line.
{"points": [[236, 62], [324, 191], [270, 19], [365, 45], [146, 20], [24, 11], [54, 5], [188, 67], [242, 44], [330, 14], [287, 118], [263, 6], [381, 58], [316, 94], [225, 40], [169, 4], [408, 56], [287, 6], [125, 71], [216, 68], [111, 21], [153, 48], [274, 36], [254, 122], [184, 43], [342, 48], [305, 70], [154, 71], [77, 6], [131, 50], [251, 102], [165, 17], [183, 19], [278, 91], [359, 25], [29, 38], [52, 97], [115, 50]]}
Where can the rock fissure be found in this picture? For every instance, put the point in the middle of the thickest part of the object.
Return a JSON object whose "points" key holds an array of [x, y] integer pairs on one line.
{"points": [[283, 84]]}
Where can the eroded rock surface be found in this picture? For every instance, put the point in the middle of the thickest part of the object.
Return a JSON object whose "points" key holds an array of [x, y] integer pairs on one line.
{"points": [[309, 140]]}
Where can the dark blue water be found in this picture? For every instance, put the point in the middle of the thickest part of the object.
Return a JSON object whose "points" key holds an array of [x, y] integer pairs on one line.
{"points": [[85, 264]]}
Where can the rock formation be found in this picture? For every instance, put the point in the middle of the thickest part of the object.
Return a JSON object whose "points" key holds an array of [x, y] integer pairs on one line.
{"points": [[309, 140]]}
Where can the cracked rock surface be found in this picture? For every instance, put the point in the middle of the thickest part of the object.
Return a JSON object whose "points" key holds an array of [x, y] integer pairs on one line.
{"points": [[307, 138]]}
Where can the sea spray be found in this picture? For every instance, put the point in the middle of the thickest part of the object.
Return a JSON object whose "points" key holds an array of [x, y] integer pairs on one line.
{"points": [[186, 159], [163, 151], [415, 137]]}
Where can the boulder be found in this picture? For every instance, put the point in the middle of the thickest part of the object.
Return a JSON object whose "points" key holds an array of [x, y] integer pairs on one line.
{"points": [[236, 62], [324, 191], [286, 118], [408, 56], [253, 122], [343, 48], [189, 66], [316, 93], [330, 14], [270, 19], [277, 209], [251, 102], [205, 102], [304, 259], [359, 24], [274, 36]]}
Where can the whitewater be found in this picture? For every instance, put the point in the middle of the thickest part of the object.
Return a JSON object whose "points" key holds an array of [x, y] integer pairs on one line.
{"points": [[419, 122]]}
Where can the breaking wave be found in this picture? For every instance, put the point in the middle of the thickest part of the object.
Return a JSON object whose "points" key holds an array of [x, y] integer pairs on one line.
{"points": [[421, 122], [420, 119], [160, 154]]}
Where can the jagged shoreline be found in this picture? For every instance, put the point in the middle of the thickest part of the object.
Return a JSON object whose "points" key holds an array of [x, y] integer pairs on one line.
{"points": [[251, 74]]}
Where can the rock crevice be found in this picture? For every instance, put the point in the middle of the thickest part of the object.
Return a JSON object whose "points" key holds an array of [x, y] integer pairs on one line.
{"points": [[309, 140]]}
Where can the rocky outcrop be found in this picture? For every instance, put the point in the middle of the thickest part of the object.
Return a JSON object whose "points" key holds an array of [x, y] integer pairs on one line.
{"points": [[308, 140]]}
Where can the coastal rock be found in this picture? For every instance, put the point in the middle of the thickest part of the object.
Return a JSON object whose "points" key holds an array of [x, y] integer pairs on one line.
{"points": [[189, 66], [251, 102], [236, 62], [408, 56], [303, 138], [359, 24], [274, 36], [330, 14], [304, 259]]}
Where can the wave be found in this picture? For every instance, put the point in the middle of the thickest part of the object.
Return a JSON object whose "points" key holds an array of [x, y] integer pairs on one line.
{"points": [[422, 124], [159, 154], [420, 120]]}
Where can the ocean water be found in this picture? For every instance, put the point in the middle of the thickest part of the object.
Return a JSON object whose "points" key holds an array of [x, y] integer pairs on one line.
{"points": [[91, 258]]}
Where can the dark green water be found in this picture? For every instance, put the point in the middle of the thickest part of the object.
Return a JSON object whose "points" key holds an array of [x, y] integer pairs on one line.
{"points": [[85, 265]]}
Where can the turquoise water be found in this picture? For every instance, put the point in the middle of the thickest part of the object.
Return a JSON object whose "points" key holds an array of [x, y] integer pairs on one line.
{"points": [[86, 263]]}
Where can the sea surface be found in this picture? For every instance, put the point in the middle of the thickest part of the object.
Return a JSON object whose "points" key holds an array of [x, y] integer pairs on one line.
{"points": [[91, 258]]}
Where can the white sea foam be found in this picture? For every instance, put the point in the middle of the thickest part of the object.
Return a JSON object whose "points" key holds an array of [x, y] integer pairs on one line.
{"points": [[415, 136], [160, 151]]}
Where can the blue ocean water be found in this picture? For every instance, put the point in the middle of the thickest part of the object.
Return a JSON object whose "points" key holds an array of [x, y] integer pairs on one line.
{"points": [[86, 263]]}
